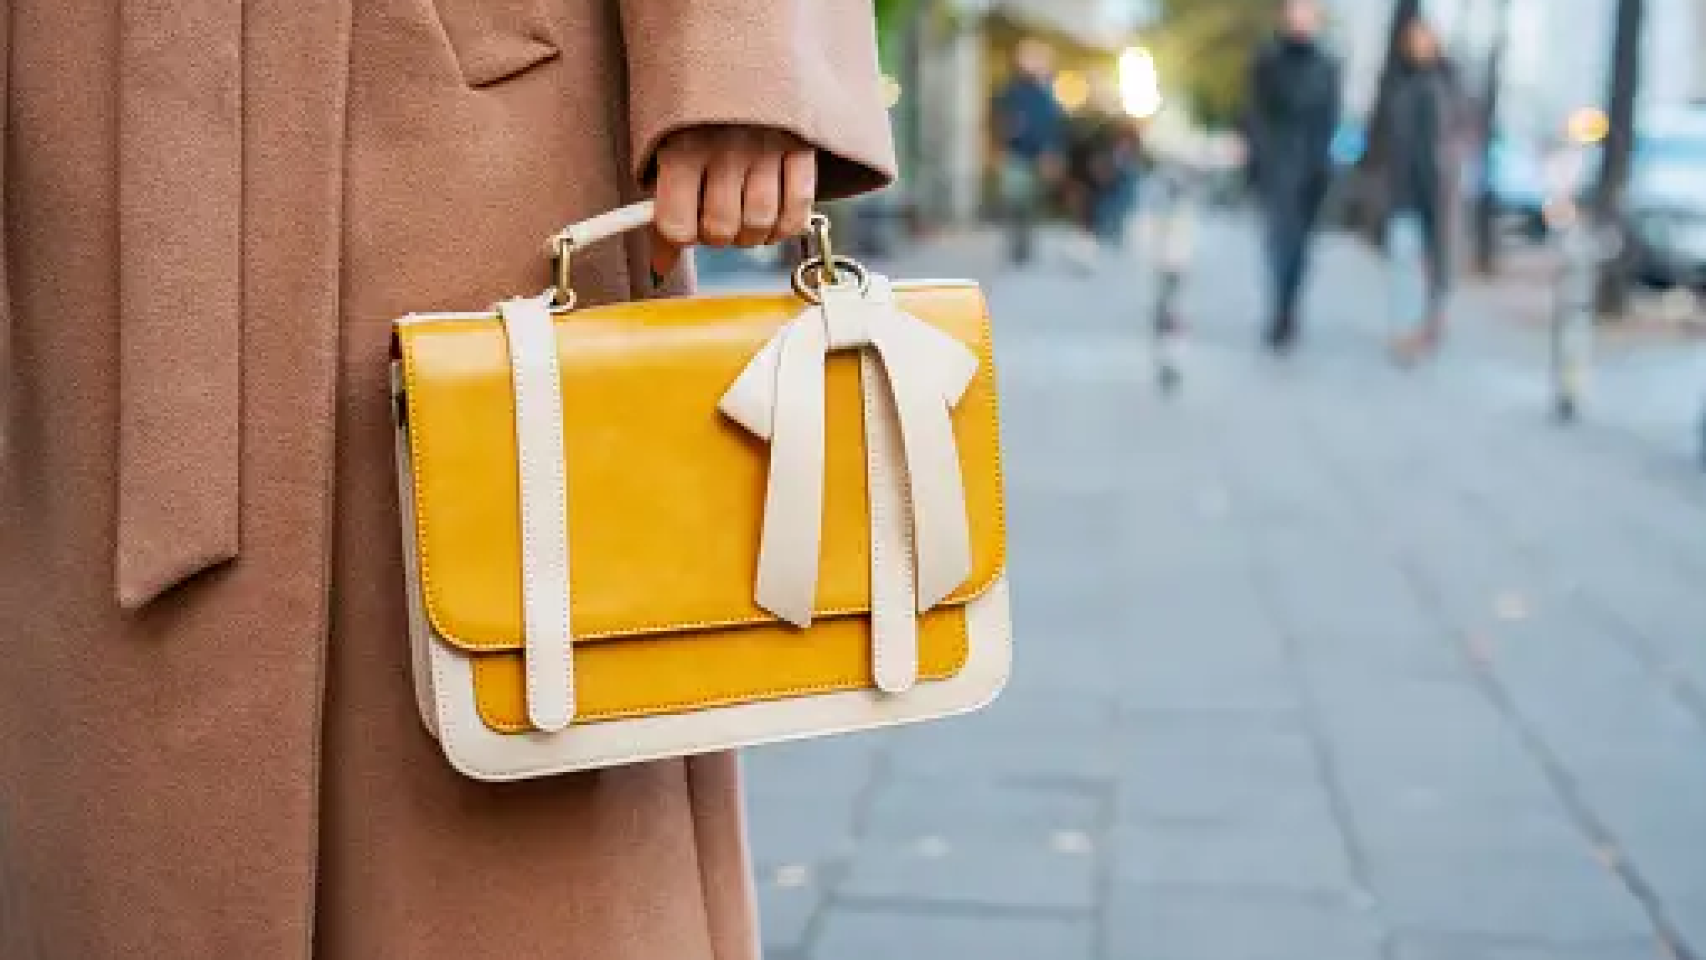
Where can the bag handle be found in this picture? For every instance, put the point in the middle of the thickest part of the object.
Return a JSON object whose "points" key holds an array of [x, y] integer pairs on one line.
{"points": [[807, 276], [565, 242], [604, 226]]}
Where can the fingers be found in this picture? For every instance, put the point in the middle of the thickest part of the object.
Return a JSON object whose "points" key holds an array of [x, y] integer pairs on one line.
{"points": [[799, 188], [681, 173], [725, 187], [762, 201], [722, 185]]}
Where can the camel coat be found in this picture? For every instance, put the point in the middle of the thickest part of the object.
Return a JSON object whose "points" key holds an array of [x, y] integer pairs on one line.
{"points": [[212, 211]]}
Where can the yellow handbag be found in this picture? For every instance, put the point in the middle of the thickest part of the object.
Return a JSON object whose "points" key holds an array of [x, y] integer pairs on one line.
{"points": [[666, 527]]}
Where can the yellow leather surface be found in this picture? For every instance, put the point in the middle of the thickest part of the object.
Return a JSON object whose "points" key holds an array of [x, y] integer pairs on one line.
{"points": [[665, 495], [670, 673]]}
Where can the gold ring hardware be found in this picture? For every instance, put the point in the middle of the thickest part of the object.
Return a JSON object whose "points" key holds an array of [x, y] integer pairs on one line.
{"points": [[825, 267]]}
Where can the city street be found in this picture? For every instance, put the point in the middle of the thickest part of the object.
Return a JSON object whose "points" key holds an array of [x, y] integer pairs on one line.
{"points": [[1319, 659]]}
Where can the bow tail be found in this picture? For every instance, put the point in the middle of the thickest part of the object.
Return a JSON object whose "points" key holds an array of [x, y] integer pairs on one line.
{"points": [[940, 531], [793, 498]]}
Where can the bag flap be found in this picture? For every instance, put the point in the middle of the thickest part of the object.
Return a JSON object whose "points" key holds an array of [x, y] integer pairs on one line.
{"points": [[666, 495]]}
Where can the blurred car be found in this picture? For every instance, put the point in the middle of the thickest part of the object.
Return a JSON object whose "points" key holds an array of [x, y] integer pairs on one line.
{"points": [[1666, 201]]}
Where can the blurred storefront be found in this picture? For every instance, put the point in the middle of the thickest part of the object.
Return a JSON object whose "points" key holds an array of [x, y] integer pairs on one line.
{"points": [[957, 53]]}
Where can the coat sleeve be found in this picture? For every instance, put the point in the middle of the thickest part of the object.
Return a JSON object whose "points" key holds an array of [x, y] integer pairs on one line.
{"points": [[805, 66]]}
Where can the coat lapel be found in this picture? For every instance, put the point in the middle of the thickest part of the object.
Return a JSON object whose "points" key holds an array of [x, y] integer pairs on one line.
{"points": [[180, 285]]}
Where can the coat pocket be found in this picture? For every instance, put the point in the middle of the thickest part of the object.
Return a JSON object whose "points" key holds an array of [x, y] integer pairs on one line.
{"points": [[497, 40]]}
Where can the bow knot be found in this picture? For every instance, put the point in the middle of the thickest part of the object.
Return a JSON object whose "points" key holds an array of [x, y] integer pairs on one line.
{"points": [[912, 376]]}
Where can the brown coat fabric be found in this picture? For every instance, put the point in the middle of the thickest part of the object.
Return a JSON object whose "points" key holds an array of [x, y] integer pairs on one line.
{"points": [[212, 210]]}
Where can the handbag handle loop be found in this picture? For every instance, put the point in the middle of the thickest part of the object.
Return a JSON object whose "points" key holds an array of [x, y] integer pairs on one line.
{"points": [[808, 276]]}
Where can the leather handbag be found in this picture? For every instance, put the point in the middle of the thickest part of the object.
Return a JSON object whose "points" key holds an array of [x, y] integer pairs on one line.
{"points": [[666, 527]]}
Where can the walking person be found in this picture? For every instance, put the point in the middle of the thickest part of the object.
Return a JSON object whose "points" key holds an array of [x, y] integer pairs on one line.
{"points": [[1032, 132], [1421, 147], [210, 747], [1294, 102]]}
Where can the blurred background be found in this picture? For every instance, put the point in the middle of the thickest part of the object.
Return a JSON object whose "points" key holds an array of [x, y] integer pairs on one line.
{"points": [[1381, 635]]}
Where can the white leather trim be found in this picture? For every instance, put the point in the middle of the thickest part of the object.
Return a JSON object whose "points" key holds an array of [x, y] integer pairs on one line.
{"points": [[484, 754], [420, 664], [894, 601], [445, 690], [548, 655]]}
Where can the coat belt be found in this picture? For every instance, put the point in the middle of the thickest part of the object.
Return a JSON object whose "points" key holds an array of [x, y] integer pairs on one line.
{"points": [[180, 140]]}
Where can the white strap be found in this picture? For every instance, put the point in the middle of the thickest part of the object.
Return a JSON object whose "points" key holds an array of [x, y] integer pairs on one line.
{"points": [[548, 646], [894, 624]]}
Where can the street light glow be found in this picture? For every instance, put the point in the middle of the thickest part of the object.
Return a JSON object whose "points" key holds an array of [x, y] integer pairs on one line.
{"points": [[1588, 126], [1140, 87]]}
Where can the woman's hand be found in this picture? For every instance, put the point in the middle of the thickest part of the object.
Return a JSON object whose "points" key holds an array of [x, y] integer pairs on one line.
{"points": [[730, 185]]}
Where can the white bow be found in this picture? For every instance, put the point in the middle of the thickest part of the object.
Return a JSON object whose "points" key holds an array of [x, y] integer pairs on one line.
{"points": [[913, 375]]}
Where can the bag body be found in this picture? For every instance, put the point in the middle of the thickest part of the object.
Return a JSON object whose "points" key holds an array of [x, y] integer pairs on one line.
{"points": [[671, 527]]}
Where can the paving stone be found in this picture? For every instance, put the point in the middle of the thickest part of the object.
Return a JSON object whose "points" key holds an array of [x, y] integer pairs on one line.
{"points": [[1017, 755], [863, 934], [1507, 898], [1145, 923], [996, 876], [1459, 948], [785, 912], [1689, 919], [1207, 769], [798, 831], [1298, 854], [910, 810]]}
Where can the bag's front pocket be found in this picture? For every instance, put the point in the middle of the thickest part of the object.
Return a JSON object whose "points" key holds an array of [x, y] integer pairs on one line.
{"points": [[497, 40]]}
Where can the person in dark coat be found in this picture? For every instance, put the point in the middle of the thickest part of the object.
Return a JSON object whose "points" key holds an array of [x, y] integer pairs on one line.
{"points": [[1293, 111], [1420, 149], [1031, 129]]}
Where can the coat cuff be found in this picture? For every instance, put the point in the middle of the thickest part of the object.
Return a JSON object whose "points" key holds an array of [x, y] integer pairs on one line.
{"points": [[803, 66]]}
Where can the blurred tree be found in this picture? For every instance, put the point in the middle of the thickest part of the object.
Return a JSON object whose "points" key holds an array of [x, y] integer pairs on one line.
{"points": [[1202, 48], [1619, 147], [893, 18]]}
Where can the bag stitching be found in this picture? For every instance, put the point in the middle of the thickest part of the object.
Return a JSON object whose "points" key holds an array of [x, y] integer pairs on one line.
{"points": [[960, 653]]}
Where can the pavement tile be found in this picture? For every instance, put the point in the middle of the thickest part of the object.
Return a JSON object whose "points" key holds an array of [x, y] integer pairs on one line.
{"points": [[785, 912], [1005, 875], [912, 810], [1508, 898], [851, 933], [1206, 768], [1305, 855], [1149, 924], [1459, 948], [964, 755], [798, 830]]}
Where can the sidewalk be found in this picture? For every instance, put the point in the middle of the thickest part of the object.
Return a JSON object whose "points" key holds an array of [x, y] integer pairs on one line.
{"points": [[1319, 660]]}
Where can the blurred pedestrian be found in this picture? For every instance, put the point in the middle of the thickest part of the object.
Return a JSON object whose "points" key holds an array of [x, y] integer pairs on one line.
{"points": [[210, 747], [1421, 145], [1293, 111], [1031, 130]]}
